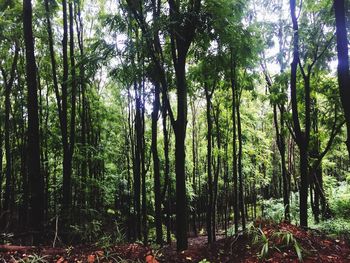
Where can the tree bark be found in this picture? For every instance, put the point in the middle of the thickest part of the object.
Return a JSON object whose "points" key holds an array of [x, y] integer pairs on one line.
{"points": [[234, 146], [8, 87], [167, 179], [216, 175], [66, 187], [180, 135], [1, 157], [343, 63], [137, 173], [156, 168], [36, 182], [301, 137], [194, 164], [208, 96], [240, 172]]}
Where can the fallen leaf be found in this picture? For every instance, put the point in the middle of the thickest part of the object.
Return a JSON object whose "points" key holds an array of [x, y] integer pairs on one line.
{"points": [[91, 259]]}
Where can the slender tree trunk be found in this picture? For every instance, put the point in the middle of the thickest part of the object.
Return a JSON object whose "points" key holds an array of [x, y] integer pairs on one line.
{"points": [[235, 178], [240, 172], [137, 173], [66, 187], [8, 87], [194, 169], [80, 34], [209, 165], [143, 166], [302, 137], [36, 182], [282, 150], [182, 34], [226, 186], [156, 168], [1, 157], [343, 62], [73, 108], [167, 179], [61, 101], [24, 164], [304, 185], [180, 135], [8, 186], [216, 176]]}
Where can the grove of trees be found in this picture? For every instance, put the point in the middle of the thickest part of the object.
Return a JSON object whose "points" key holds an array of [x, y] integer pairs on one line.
{"points": [[167, 119]]}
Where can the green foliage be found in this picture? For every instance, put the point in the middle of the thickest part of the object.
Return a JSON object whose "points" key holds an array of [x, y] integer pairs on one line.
{"points": [[107, 257], [288, 240], [336, 228], [278, 240], [88, 232], [259, 239], [340, 200], [113, 59], [95, 232], [273, 209]]}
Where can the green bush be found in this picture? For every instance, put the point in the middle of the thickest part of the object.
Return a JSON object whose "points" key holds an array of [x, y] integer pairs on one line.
{"points": [[336, 227], [274, 208], [340, 201]]}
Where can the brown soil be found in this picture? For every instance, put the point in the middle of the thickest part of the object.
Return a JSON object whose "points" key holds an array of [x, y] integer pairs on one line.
{"points": [[314, 245]]}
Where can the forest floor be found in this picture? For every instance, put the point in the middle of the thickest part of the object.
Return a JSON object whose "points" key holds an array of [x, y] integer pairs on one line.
{"points": [[267, 242]]}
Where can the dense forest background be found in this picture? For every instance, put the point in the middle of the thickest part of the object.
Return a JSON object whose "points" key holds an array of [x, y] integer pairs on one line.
{"points": [[158, 120]]}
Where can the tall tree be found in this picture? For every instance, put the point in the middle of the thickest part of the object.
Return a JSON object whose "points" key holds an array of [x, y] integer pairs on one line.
{"points": [[301, 137], [234, 139], [208, 96], [240, 156], [183, 25], [8, 87], [156, 168], [343, 62], [36, 181]]}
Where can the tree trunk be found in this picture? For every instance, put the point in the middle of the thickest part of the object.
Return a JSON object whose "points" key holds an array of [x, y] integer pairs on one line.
{"points": [[73, 108], [80, 32], [66, 187], [156, 169], [1, 157], [143, 166], [194, 169], [137, 173], [282, 150], [302, 137], [304, 185], [167, 179], [36, 182], [235, 178], [8, 200], [180, 134], [343, 62], [240, 172], [216, 175], [209, 165]]}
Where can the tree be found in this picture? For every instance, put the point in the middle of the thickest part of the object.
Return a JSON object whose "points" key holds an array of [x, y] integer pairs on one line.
{"points": [[156, 168], [302, 137], [36, 182], [182, 32], [208, 96], [343, 62], [8, 86]]}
